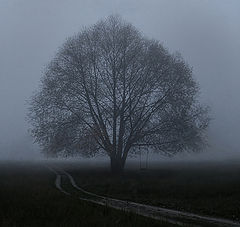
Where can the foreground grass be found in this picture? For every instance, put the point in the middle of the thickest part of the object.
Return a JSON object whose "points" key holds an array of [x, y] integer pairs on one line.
{"points": [[206, 188], [29, 198]]}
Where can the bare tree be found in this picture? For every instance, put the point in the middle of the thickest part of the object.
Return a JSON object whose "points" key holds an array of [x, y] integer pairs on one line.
{"points": [[109, 89]]}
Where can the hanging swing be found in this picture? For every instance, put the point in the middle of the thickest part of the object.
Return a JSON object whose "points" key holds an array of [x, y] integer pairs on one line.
{"points": [[140, 160]]}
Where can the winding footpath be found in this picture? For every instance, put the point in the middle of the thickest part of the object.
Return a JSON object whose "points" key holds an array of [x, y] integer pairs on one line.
{"points": [[172, 216]]}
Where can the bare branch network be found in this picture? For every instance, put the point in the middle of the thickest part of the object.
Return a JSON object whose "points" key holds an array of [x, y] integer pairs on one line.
{"points": [[109, 89]]}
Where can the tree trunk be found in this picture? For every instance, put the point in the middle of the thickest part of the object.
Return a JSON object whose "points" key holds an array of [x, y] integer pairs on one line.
{"points": [[117, 165]]}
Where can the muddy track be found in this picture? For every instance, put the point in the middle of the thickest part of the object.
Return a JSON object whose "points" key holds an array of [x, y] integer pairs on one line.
{"points": [[172, 216]]}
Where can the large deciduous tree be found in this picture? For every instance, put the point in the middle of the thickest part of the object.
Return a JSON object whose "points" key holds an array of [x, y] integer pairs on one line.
{"points": [[109, 89]]}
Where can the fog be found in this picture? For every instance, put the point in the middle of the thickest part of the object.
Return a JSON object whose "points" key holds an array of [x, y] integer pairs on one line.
{"points": [[207, 33]]}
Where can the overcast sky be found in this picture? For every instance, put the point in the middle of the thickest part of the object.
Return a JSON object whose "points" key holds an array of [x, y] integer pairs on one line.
{"points": [[206, 32]]}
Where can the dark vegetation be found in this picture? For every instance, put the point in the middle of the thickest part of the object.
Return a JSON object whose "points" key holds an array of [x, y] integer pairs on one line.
{"points": [[28, 198], [204, 188]]}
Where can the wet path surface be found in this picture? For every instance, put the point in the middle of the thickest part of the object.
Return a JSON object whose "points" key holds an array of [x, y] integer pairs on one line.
{"points": [[66, 184]]}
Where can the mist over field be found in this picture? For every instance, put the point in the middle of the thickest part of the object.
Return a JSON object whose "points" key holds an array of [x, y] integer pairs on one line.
{"points": [[206, 33]]}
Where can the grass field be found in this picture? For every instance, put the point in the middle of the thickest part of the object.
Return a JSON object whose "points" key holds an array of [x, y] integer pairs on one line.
{"points": [[209, 188], [28, 197]]}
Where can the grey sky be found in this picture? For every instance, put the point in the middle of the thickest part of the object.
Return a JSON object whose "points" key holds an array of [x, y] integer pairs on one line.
{"points": [[206, 32]]}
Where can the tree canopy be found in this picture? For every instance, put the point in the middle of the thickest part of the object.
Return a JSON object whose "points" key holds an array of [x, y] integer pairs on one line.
{"points": [[110, 89]]}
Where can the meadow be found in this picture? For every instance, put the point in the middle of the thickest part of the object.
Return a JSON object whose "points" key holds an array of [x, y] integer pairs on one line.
{"points": [[207, 188], [29, 197]]}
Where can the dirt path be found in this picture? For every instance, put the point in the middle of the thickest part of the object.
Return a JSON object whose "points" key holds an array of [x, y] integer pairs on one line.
{"points": [[172, 216]]}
